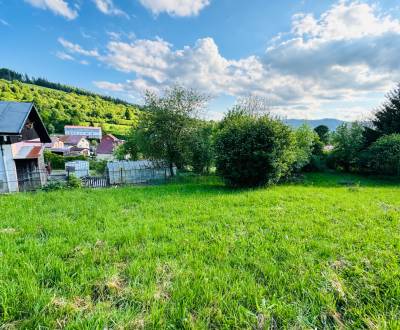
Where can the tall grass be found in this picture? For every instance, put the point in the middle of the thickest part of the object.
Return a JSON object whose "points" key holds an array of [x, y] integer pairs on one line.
{"points": [[194, 254]]}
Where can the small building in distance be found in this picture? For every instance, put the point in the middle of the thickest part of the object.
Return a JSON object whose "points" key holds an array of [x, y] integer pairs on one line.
{"points": [[107, 146], [88, 132], [22, 139], [78, 141], [56, 146]]}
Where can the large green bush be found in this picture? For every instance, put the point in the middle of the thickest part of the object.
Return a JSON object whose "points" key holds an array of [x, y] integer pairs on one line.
{"points": [[384, 155], [253, 151]]}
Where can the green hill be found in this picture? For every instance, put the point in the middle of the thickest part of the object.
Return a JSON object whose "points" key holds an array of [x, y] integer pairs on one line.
{"points": [[59, 108]]}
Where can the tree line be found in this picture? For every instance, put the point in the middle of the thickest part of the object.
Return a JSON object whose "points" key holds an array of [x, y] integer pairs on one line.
{"points": [[373, 147], [250, 147], [11, 75]]}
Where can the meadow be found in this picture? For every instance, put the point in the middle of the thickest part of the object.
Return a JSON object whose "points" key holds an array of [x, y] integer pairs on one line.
{"points": [[193, 254]]}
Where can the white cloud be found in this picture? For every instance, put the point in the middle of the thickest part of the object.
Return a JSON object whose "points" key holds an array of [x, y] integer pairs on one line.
{"points": [[58, 7], [77, 49], [319, 66], [3, 22], [107, 7], [176, 7], [345, 20], [64, 56], [109, 86]]}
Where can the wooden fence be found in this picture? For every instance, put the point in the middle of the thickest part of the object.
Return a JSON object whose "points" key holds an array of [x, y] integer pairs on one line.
{"points": [[95, 182]]}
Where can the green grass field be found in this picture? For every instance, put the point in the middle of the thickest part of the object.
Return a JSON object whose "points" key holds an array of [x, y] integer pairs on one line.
{"points": [[193, 254]]}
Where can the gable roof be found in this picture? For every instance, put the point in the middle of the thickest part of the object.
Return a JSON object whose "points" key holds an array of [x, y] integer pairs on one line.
{"points": [[83, 127], [13, 116], [108, 144], [71, 139]]}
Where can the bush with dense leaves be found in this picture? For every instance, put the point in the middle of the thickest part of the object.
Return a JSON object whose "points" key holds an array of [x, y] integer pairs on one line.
{"points": [[253, 151], [384, 155]]}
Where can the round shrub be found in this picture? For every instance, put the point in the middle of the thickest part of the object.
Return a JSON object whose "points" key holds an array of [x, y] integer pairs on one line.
{"points": [[253, 151], [384, 155]]}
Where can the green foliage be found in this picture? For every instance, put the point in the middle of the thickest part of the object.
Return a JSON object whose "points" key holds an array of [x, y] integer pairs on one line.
{"points": [[387, 118], [199, 153], [11, 75], [166, 122], [54, 185], [130, 149], [73, 181], [99, 166], [306, 140], [58, 108], [323, 133], [253, 150], [58, 162], [384, 155], [196, 255], [348, 140]]}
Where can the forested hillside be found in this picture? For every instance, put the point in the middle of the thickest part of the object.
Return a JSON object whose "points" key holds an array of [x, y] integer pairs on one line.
{"points": [[59, 108], [12, 75]]}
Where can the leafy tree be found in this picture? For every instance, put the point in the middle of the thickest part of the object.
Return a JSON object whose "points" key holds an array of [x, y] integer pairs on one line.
{"points": [[130, 149], [387, 118], [384, 155], [166, 122], [199, 147], [323, 133], [348, 141], [306, 140], [253, 150]]}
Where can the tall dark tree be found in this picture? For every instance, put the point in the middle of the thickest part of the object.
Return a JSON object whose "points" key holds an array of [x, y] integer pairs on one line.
{"points": [[323, 133], [387, 118]]}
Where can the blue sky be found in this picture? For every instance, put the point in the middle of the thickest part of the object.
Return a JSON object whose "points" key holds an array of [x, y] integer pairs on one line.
{"points": [[309, 59]]}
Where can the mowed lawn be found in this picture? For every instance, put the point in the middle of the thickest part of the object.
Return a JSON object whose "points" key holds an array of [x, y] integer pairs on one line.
{"points": [[193, 254]]}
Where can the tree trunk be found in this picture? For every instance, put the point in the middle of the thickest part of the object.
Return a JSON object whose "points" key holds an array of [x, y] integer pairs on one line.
{"points": [[171, 169]]}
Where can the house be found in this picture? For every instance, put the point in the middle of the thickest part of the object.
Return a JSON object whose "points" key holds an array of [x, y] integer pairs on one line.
{"points": [[22, 139], [108, 144], [87, 132], [78, 141], [56, 146], [69, 145], [77, 144]]}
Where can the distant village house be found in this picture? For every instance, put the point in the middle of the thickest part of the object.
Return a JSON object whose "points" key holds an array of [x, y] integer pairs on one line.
{"points": [[22, 139], [107, 146], [85, 131]]}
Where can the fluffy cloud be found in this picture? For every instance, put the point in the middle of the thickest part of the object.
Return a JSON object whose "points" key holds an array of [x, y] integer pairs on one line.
{"points": [[77, 49], [176, 7], [59, 7], [343, 56], [107, 7]]}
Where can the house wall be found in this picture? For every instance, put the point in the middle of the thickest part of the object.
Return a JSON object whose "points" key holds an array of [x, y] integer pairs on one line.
{"points": [[8, 171], [105, 157], [93, 133], [83, 143], [42, 170]]}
